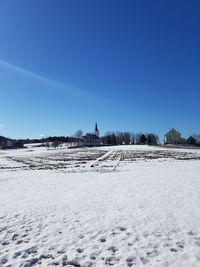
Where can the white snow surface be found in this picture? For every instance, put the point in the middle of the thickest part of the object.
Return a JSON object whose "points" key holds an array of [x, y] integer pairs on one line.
{"points": [[107, 206]]}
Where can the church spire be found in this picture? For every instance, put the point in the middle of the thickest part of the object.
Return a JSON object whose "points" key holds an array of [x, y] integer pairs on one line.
{"points": [[96, 130]]}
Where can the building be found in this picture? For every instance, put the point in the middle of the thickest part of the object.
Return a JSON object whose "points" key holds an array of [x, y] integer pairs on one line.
{"points": [[6, 142], [174, 137], [91, 139], [191, 141], [10, 143]]}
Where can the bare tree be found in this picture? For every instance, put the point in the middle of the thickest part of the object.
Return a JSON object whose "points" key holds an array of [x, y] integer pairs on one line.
{"points": [[55, 144], [126, 138], [123, 138], [104, 140], [152, 139], [119, 138], [133, 138], [78, 135], [137, 138], [47, 144], [107, 138], [143, 139]]}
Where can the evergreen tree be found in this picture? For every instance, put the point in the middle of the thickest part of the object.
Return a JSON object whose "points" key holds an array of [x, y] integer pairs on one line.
{"points": [[143, 139]]}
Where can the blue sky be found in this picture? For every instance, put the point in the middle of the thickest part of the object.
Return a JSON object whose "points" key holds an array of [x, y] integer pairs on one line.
{"points": [[129, 65]]}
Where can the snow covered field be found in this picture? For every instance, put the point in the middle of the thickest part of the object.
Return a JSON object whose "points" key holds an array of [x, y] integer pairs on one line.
{"points": [[114, 206]]}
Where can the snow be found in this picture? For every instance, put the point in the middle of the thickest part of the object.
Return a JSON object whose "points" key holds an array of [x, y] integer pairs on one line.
{"points": [[109, 206]]}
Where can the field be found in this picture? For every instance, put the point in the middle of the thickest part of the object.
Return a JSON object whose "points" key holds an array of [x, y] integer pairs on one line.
{"points": [[107, 206]]}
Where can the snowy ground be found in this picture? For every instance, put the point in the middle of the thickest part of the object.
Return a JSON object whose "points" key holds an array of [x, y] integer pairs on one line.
{"points": [[114, 206]]}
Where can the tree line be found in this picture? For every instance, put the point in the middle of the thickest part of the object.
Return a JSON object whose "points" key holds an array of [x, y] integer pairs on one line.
{"points": [[129, 138], [110, 138]]}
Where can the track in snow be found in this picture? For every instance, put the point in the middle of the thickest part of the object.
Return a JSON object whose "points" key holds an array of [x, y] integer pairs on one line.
{"points": [[87, 159]]}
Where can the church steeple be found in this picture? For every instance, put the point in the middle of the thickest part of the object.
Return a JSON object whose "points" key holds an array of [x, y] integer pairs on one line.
{"points": [[96, 130]]}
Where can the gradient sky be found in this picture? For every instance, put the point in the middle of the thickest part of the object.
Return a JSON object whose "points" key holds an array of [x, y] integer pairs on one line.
{"points": [[129, 65]]}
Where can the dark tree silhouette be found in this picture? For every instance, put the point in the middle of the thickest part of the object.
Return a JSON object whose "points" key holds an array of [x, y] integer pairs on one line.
{"points": [[143, 139]]}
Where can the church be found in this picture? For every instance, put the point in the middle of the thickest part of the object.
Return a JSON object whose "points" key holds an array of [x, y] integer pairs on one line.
{"points": [[91, 139]]}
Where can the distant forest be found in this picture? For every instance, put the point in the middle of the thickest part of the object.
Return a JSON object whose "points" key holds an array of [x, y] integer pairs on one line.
{"points": [[110, 138]]}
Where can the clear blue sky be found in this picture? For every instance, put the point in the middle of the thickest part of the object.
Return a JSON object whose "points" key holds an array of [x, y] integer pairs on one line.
{"points": [[129, 65]]}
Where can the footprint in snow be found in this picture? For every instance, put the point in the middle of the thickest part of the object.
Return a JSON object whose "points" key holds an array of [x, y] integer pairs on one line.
{"points": [[80, 250], [191, 233], [144, 260], [112, 249], [173, 250], [145, 234], [17, 254], [29, 263], [93, 256], [197, 243], [130, 259], [102, 240], [152, 253], [180, 244], [111, 260], [19, 242], [122, 229], [3, 261], [5, 243]]}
